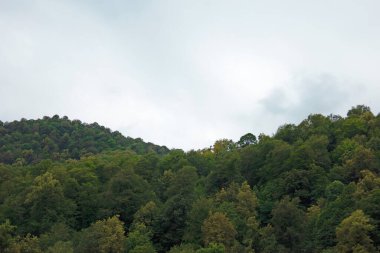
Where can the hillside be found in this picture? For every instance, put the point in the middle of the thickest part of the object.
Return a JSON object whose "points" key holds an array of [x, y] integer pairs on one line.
{"points": [[28, 141], [311, 187]]}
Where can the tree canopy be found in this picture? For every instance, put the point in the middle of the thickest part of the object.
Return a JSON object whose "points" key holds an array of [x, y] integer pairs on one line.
{"points": [[67, 186]]}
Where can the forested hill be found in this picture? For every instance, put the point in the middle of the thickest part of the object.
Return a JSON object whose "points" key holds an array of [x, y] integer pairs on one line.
{"points": [[57, 138], [313, 187]]}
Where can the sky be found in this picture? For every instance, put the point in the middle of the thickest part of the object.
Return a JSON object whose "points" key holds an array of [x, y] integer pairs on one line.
{"points": [[187, 73]]}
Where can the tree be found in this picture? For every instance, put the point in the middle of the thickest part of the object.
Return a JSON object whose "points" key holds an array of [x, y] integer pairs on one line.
{"points": [[226, 171], [217, 228], [27, 244], [145, 215], [288, 223], [351, 126], [61, 247], [170, 225], [358, 110], [332, 213], [6, 235], [146, 167], [369, 203], [60, 138], [47, 203], [333, 190], [243, 197], [126, 193], [199, 212], [247, 139], [183, 182], [103, 236], [174, 160], [272, 159], [287, 133], [212, 248], [312, 151], [59, 232], [361, 159], [297, 185], [353, 234], [223, 145], [183, 248], [315, 124], [368, 182], [139, 240], [246, 201], [268, 242]]}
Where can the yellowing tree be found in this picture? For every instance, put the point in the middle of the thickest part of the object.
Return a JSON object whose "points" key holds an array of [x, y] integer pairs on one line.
{"points": [[103, 236], [352, 234], [217, 228], [246, 201]]}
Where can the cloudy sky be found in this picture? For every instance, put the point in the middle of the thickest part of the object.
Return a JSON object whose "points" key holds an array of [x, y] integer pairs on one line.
{"points": [[186, 73]]}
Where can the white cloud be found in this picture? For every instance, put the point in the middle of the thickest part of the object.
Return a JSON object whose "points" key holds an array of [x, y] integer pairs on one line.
{"points": [[184, 74]]}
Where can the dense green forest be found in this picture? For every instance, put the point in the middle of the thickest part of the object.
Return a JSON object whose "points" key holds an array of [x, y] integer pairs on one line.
{"points": [[68, 187], [55, 138]]}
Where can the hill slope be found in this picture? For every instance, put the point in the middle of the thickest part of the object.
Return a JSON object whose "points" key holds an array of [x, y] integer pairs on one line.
{"points": [[58, 138], [311, 187]]}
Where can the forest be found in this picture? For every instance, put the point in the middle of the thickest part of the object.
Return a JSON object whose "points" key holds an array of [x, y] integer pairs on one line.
{"points": [[67, 186]]}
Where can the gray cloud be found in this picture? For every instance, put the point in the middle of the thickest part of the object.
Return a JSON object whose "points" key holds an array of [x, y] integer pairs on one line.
{"points": [[304, 95]]}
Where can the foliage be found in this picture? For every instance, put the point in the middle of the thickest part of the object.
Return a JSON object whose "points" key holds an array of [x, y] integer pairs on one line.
{"points": [[217, 228], [28, 141], [353, 234], [66, 186], [102, 236]]}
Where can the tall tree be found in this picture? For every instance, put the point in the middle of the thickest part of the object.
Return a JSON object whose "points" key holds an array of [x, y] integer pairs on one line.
{"points": [[47, 203], [353, 234], [103, 236], [217, 228], [288, 223]]}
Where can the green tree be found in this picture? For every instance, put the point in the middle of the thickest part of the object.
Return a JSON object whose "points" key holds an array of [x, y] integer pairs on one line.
{"points": [[170, 225], [358, 110], [247, 139], [146, 215], [331, 214], [226, 171], [183, 182], [6, 235], [126, 193], [183, 248], [61, 247], [139, 240], [47, 203], [272, 159], [267, 242], [199, 212], [212, 248], [313, 151], [59, 232], [288, 223], [146, 167]]}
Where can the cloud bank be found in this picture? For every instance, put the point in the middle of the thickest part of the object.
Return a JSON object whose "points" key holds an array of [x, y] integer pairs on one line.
{"points": [[185, 73]]}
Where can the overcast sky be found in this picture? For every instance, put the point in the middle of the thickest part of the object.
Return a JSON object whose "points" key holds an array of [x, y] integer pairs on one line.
{"points": [[186, 73]]}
